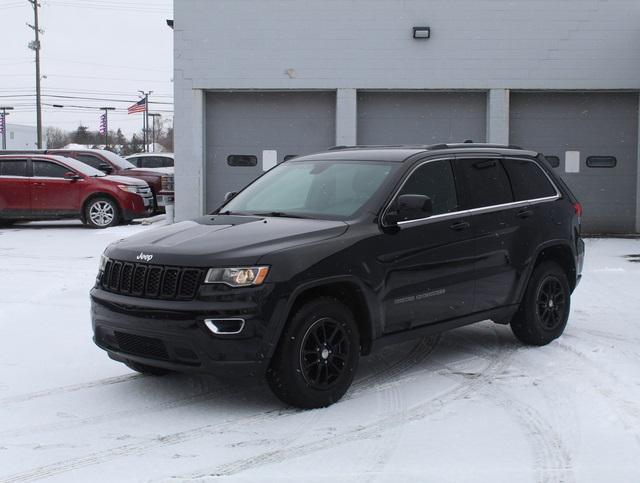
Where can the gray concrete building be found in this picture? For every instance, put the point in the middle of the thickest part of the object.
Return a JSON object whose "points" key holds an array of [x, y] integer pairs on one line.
{"points": [[257, 81]]}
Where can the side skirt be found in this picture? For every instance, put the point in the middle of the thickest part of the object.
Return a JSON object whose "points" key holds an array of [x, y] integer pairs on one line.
{"points": [[498, 314]]}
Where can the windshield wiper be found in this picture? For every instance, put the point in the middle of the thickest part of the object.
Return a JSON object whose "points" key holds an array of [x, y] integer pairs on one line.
{"points": [[276, 214]]}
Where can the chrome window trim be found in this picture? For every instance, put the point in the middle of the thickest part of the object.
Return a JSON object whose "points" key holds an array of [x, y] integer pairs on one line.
{"points": [[472, 211], [210, 323]]}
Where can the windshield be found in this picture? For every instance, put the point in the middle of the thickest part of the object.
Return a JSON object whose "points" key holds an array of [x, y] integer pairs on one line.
{"points": [[80, 166], [312, 189], [119, 161]]}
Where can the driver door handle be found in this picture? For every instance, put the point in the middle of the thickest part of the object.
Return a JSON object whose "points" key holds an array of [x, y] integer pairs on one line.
{"points": [[460, 225]]}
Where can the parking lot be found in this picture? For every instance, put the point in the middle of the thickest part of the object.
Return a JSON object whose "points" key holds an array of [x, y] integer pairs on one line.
{"points": [[467, 405]]}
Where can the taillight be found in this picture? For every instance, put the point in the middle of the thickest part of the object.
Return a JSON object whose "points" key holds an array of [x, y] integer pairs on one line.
{"points": [[578, 209]]}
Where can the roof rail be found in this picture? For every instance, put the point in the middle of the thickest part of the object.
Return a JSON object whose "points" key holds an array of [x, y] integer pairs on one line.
{"points": [[430, 147]]}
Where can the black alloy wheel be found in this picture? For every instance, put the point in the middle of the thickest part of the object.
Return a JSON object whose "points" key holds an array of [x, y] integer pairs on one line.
{"points": [[544, 310], [551, 302], [324, 354], [317, 356]]}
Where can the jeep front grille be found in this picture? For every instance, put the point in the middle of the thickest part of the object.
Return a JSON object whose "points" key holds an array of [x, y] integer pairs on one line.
{"points": [[151, 281]]}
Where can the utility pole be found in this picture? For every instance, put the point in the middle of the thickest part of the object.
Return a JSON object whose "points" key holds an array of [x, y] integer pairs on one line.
{"points": [[3, 124], [153, 130], [145, 119], [35, 46], [104, 124]]}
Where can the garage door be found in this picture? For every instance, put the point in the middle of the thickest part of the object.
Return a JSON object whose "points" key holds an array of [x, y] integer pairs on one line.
{"points": [[421, 117], [595, 139], [248, 132]]}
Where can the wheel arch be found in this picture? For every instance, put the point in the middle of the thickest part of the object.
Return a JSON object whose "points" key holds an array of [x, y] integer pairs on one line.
{"points": [[558, 251], [349, 291]]}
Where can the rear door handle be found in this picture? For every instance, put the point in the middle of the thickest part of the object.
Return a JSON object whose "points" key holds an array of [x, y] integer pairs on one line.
{"points": [[39, 185], [524, 213], [461, 225]]}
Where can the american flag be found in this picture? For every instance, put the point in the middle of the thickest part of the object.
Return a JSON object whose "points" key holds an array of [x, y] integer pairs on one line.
{"points": [[139, 106], [103, 124]]}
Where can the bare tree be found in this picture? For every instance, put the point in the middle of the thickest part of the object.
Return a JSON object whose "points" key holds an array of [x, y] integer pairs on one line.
{"points": [[56, 137]]}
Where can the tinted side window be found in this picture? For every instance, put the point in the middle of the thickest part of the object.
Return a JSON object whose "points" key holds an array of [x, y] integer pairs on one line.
{"points": [[435, 180], [134, 161], [528, 180], [484, 181], [12, 167], [92, 161], [48, 169], [150, 162]]}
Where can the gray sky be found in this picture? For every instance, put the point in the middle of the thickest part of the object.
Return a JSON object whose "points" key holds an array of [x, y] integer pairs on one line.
{"points": [[107, 49]]}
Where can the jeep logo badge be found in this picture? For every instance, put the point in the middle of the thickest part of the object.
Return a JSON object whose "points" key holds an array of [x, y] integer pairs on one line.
{"points": [[144, 256]]}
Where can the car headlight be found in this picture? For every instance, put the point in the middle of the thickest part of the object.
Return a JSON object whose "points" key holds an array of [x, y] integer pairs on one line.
{"points": [[103, 263], [237, 277], [128, 187]]}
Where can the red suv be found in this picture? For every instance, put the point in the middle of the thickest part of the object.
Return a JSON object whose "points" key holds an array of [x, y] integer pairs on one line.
{"points": [[111, 163], [39, 187]]}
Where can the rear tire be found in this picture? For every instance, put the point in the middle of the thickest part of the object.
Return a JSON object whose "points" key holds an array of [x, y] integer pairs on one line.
{"points": [[544, 309], [101, 212], [6, 223], [317, 357], [148, 370]]}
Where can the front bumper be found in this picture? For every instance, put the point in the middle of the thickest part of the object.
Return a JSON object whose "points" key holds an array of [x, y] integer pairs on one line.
{"points": [[172, 334], [137, 206]]}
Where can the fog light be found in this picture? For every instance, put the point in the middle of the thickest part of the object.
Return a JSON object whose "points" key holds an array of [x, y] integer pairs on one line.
{"points": [[224, 326]]}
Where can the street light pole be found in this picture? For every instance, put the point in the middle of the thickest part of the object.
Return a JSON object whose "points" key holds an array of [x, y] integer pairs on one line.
{"points": [[35, 46], [145, 119], [106, 124], [3, 124]]}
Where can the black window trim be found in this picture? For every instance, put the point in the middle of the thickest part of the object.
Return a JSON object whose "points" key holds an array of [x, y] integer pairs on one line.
{"points": [[590, 164], [472, 211], [253, 157]]}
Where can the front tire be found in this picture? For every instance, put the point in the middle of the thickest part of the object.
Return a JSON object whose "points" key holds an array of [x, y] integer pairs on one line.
{"points": [[317, 356], [148, 370], [101, 212], [544, 310]]}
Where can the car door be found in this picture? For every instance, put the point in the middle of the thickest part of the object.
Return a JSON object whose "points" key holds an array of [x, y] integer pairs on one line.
{"points": [[488, 196], [428, 263], [15, 188], [51, 192], [532, 190]]}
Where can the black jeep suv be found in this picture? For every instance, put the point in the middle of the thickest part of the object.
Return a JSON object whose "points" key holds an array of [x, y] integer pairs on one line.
{"points": [[328, 256]]}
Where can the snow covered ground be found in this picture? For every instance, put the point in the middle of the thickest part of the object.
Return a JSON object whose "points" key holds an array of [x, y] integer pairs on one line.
{"points": [[470, 405]]}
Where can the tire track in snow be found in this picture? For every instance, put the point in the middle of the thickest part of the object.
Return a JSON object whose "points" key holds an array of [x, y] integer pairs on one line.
{"points": [[627, 411], [142, 447], [418, 412], [552, 459], [418, 353], [67, 389]]}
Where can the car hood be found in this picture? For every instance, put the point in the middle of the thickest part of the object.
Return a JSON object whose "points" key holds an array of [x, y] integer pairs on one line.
{"points": [[123, 180], [222, 240]]}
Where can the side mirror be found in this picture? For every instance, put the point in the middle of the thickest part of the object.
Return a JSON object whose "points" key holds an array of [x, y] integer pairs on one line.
{"points": [[230, 195], [71, 176], [105, 168], [409, 207]]}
